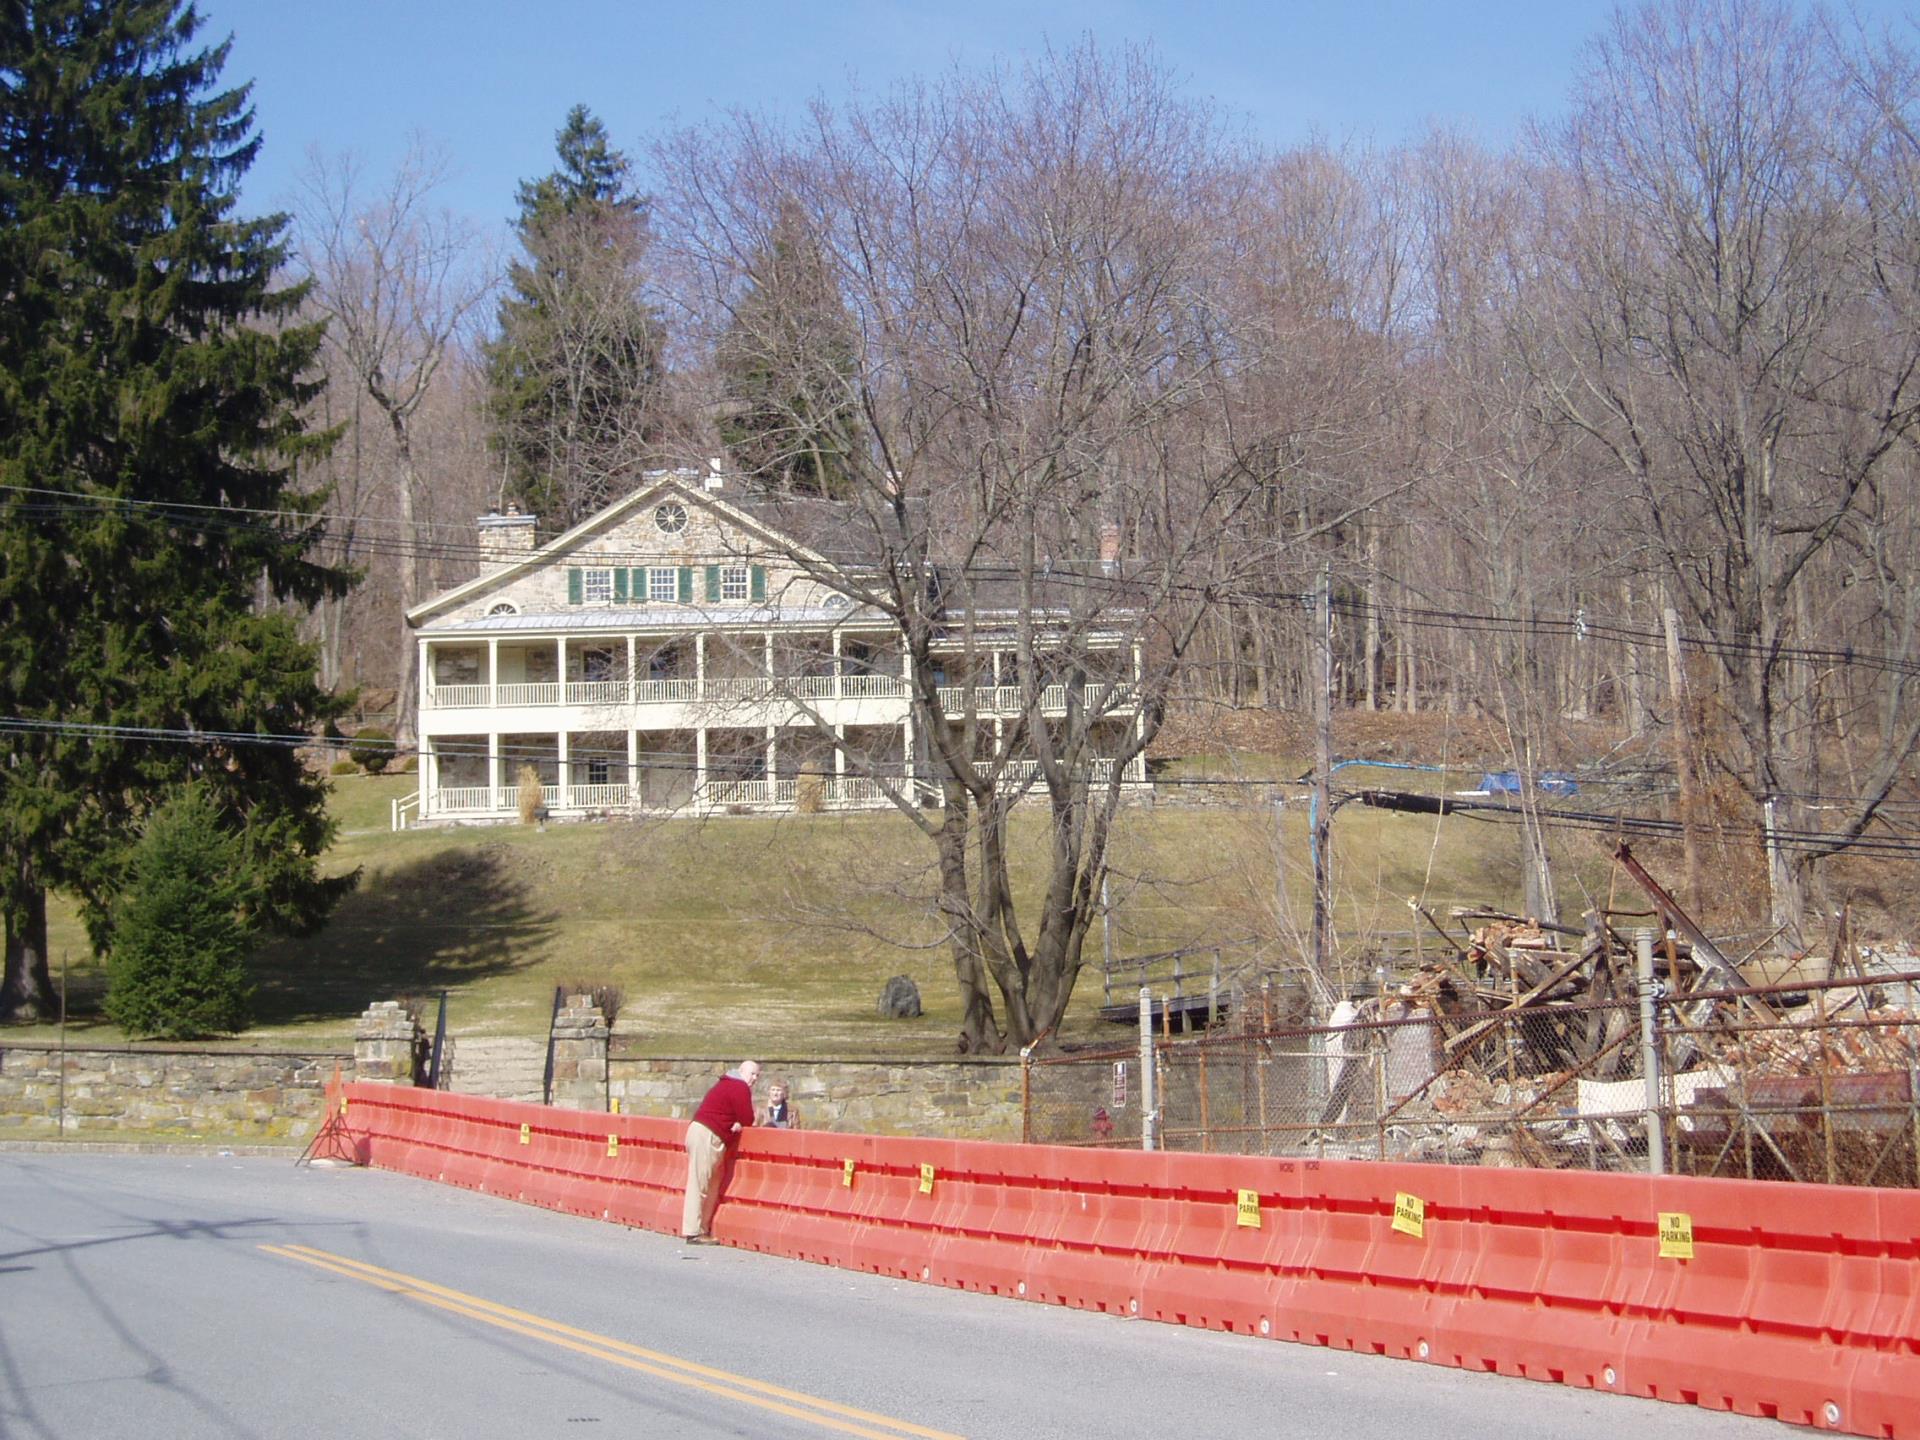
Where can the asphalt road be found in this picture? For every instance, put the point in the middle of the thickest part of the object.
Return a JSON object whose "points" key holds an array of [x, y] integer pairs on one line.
{"points": [[161, 1296]]}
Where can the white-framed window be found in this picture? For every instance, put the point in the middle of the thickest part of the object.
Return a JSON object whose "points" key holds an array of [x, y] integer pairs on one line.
{"points": [[505, 607], [734, 581], [670, 518], [597, 585], [599, 772], [663, 584]]}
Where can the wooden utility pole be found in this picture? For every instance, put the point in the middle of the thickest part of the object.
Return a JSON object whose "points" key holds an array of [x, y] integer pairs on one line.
{"points": [[1322, 773], [1683, 756]]}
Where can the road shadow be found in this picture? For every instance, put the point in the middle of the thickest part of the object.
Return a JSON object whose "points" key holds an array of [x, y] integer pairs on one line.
{"points": [[446, 919]]}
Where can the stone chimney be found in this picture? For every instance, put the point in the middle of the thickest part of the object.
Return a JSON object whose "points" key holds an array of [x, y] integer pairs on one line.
{"points": [[504, 538]]}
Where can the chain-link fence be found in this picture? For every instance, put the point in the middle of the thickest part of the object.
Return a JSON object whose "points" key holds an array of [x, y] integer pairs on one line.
{"points": [[1815, 1083]]}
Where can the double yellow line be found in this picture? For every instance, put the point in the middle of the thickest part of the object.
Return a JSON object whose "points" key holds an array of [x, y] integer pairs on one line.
{"points": [[824, 1413]]}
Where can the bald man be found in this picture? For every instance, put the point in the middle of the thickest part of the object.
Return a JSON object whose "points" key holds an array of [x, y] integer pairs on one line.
{"points": [[726, 1111]]}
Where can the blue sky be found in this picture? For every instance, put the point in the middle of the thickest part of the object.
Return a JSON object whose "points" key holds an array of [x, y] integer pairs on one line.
{"points": [[491, 80]]}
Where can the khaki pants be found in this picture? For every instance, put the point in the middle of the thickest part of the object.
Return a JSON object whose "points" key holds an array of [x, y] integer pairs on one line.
{"points": [[705, 1152]]}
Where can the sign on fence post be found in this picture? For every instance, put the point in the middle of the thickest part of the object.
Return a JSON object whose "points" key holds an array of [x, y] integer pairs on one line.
{"points": [[1119, 1084]]}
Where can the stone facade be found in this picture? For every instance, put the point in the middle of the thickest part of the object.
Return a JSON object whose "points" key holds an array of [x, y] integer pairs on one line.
{"points": [[625, 534], [169, 1091], [951, 1099]]}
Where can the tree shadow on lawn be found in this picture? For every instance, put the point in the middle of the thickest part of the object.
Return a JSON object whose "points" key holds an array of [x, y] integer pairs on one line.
{"points": [[443, 921]]}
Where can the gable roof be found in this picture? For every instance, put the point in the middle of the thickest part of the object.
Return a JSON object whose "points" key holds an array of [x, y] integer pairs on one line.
{"points": [[658, 483]]}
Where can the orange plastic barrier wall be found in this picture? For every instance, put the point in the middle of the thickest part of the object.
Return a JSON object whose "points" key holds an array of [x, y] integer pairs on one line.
{"points": [[1798, 1302]]}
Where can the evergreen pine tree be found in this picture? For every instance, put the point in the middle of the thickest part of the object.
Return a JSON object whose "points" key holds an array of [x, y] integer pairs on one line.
{"points": [[575, 373], [788, 370], [151, 383], [177, 968]]}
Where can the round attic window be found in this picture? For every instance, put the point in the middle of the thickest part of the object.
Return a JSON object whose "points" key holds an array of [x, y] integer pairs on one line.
{"points": [[505, 607], [670, 518]]}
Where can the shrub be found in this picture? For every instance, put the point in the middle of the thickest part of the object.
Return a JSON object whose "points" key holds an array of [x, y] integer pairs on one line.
{"points": [[343, 766], [372, 748], [177, 967], [533, 802]]}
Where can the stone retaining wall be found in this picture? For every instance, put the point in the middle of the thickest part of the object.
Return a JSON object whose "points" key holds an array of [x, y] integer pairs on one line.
{"points": [[951, 1099], [172, 1090]]}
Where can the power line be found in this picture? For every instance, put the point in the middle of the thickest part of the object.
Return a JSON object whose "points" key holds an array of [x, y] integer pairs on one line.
{"points": [[1584, 625]]}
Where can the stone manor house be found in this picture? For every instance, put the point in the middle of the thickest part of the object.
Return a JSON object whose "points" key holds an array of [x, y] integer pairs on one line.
{"points": [[686, 650]]}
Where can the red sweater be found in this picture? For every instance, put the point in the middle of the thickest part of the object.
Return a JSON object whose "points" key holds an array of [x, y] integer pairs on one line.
{"points": [[729, 1100]]}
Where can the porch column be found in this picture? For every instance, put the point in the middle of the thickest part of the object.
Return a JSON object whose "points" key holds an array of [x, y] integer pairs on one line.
{"points": [[1138, 769], [630, 692], [700, 765], [425, 676], [493, 670], [566, 773], [839, 682], [700, 679], [560, 670], [429, 775], [633, 765], [493, 770], [773, 748], [906, 749]]}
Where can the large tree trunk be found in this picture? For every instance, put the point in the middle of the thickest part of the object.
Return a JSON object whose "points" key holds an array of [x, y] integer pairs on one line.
{"points": [[26, 990]]}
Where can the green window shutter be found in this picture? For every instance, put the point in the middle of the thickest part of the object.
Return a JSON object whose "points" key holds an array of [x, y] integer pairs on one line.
{"points": [[713, 584], [619, 582], [576, 587], [686, 584], [759, 582], [640, 594]]}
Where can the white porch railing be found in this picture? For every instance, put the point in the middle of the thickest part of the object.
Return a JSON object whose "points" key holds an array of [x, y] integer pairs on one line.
{"points": [[1005, 699], [872, 687], [858, 790], [464, 797], [666, 692], [458, 697], [596, 692], [988, 699], [540, 693]]}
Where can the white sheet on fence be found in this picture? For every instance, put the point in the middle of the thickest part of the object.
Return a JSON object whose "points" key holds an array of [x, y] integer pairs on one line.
{"points": [[1629, 1097]]}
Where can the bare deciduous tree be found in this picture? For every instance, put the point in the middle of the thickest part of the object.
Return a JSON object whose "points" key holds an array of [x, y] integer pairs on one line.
{"points": [[1727, 329], [1049, 370], [397, 279]]}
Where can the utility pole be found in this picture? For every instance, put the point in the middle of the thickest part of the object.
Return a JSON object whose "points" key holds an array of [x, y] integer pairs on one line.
{"points": [[1322, 773], [1683, 754]]}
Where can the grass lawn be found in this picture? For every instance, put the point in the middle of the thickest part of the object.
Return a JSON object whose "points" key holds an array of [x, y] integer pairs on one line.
{"points": [[777, 934]]}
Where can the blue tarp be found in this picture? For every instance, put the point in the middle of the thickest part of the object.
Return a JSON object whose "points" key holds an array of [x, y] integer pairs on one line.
{"points": [[1507, 782]]}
